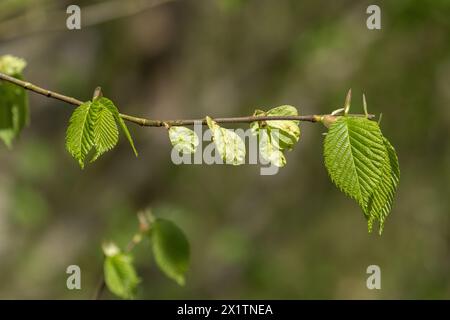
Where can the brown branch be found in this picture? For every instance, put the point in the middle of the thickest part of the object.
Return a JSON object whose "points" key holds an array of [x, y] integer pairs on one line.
{"points": [[163, 123]]}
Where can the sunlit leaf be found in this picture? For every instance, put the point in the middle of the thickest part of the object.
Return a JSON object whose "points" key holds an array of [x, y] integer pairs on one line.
{"points": [[183, 139], [269, 149], [229, 145], [105, 132], [80, 132], [363, 164], [380, 202], [93, 126], [113, 109]]}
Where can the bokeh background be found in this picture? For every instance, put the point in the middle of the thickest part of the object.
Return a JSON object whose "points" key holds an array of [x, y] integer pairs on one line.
{"points": [[288, 236]]}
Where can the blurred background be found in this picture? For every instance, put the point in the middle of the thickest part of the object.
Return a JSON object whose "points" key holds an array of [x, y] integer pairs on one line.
{"points": [[288, 236]]}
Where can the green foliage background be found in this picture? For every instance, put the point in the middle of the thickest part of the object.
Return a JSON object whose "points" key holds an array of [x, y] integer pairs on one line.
{"points": [[292, 235]]}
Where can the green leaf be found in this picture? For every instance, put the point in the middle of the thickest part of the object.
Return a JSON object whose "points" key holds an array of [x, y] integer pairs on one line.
{"points": [[184, 140], [110, 105], [380, 202], [80, 133], [171, 249], [93, 125], [105, 134], [120, 275], [229, 145], [354, 154], [127, 134], [14, 114]]}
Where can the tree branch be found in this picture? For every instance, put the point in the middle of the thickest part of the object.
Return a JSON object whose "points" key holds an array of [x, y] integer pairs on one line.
{"points": [[164, 123]]}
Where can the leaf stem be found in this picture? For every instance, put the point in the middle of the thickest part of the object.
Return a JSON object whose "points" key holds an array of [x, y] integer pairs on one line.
{"points": [[162, 123]]}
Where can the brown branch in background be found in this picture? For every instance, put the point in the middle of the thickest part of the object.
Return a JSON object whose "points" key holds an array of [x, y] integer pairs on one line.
{"points": [[164, 123], [33, 21]]}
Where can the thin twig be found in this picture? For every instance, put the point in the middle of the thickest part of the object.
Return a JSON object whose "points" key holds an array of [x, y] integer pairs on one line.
{"points": [[163, 123], [100, 287]]}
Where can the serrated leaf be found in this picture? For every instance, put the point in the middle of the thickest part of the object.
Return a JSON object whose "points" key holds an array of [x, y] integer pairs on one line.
{"points": [[93, 125], [105, 134], [80, 132], [112, 107], [120, 276], [14, 114], [354, 156], [183, 139], [380, 202], [269, 150], [229, 145], [171, 249]]}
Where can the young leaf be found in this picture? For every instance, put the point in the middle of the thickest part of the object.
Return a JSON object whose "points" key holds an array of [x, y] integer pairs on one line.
{"points": [[354, 156], [269, 149], [80, 133], [229, 145], [256, 125], [286, 132], [285, 110], [94, 125], [105, 134], [113, 109], [127, 134], [12, 65], [14, 113], [171, 249], [120, 275], [184, 140], [276, 135], [380, 202]]}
